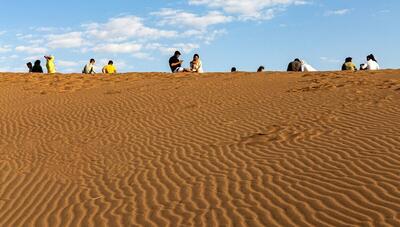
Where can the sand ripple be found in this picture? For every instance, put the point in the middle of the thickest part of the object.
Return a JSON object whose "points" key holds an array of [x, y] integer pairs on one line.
{"points": [[275, 149]]}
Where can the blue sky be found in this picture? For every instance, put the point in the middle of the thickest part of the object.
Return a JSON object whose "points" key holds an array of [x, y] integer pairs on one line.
{"points": [[141, 35]]}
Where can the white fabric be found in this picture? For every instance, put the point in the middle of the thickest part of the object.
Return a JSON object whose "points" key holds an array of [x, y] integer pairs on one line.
{"points": [[198, 67], [371, 65], [89, 69], [306, 67], [179, 70]]}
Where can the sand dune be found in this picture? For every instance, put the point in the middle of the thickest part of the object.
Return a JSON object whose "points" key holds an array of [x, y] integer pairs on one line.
{"points": [[267, 149]]}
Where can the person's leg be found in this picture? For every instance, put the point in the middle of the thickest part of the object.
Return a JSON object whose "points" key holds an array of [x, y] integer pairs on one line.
{"points": [[179, 70]]}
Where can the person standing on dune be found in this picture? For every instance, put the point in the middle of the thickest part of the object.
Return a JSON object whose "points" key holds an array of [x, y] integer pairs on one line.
{"points": [[110, 68], [50, 65]]}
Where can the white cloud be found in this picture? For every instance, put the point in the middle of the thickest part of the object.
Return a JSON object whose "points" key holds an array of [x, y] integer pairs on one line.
{"points": [[5, 49], [31, 50], [190, 20], [24, 37], [124, 28], [67, 40], [170, 49], [118, 48], [63, 63], [329, 60], [338, 12], [249, 9], [33, 58]]}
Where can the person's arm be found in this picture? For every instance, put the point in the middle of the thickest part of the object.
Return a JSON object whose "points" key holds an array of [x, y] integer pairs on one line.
{"points": [[104, 70], [176, 64]]}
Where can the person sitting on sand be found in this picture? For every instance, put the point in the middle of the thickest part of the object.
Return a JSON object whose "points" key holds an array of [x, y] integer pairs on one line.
{"points": [[372, 63], [89, 68], [349, 65], [30, 66], [233, 69], [175, 64], [305, 67], [50, 65], [260, 69], [196, 65], [110, 68], [37, 68], [294, 66]]}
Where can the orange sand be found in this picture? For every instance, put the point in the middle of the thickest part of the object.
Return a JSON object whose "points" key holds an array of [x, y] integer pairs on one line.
{"points": [[273, 149]]}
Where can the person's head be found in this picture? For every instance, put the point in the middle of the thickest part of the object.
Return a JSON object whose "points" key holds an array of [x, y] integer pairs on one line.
{"points": [[29, 64], [371, 57], [110, 62], [196, 57], [349, 59], [260, 69], [92, 61], [177, 54], [37, 62], [233, 69], [298, 60]]}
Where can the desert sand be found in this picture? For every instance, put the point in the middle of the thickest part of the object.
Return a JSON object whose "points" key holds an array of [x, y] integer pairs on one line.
{"points": [[242, 149]]}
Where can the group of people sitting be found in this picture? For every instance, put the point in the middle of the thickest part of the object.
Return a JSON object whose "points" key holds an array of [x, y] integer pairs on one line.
{"points": [[175, 64], [371, 64], [301, 66], [37, 68], [196, 65], [51, 67], [108, 69]]}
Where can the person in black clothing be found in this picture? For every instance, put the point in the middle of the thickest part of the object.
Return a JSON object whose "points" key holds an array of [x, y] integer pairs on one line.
{"points": [[175, 64], [294, 66], [260, 69], [30, 66], [37, 68]]}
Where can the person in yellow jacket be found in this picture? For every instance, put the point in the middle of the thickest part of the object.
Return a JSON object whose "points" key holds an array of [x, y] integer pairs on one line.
{"points": [[110, 68], [50, 65]]}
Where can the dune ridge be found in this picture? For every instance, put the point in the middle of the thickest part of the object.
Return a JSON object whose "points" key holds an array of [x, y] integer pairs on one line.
{"points": [[242, 149]]}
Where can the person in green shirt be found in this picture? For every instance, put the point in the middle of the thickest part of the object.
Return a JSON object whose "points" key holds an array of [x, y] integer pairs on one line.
{"points": [[349, 65]]}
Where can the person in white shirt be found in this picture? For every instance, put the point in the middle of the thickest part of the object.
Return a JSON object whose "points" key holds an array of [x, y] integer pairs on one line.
{"points": [[196, 65], [307, 67], [89, 68], [372, 63]]}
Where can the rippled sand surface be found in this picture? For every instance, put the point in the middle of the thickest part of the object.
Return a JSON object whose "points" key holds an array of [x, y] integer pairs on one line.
{"points": [[243, 149]]}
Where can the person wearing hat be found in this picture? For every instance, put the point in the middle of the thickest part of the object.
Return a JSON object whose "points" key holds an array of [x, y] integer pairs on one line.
{"points": [[349, 65]]}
